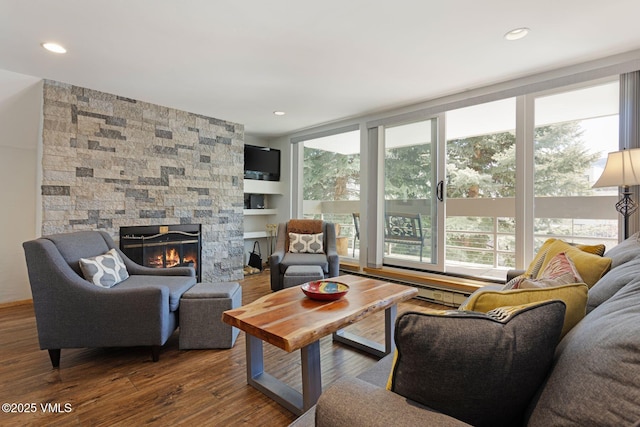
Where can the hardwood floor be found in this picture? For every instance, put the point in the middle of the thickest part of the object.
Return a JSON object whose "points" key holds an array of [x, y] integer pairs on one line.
{"points": [[122, 386]]}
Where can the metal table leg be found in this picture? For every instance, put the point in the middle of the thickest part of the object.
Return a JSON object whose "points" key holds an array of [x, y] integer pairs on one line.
{"points": [[369, 346], [277, 390]]}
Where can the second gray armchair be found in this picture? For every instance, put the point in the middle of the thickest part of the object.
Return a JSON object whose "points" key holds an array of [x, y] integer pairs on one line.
{"points": [[282, 258]]}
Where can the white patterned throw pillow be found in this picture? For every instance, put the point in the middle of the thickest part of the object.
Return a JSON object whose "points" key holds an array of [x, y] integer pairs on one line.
{"points": [[104, 270], [305, 243]]}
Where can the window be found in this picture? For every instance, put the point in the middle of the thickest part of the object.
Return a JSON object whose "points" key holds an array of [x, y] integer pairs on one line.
{"points": [[331, 185], [562, 142], [574, 132]]}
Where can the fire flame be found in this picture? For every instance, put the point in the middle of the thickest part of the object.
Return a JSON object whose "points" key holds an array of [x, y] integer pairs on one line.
{"points": [[173, 258]]}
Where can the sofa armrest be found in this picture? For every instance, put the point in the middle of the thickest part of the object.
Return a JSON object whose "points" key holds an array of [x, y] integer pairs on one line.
{"points": [[334, 263], [276, 258], [512, 274], [274, 266], [353, 402]]}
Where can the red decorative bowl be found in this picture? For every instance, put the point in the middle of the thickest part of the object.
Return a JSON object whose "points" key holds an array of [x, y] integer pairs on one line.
{"points": [[324, 290]]}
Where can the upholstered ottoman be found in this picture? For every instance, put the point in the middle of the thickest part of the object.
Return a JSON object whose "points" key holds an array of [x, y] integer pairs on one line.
{"points": [[299, 274], [201, 310]]}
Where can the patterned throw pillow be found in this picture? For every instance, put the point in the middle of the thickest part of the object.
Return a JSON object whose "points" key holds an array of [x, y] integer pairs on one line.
{"points": [[305, 243], [591, 267], [104, 270], [482, 369], [559, 271], [515, 282]]}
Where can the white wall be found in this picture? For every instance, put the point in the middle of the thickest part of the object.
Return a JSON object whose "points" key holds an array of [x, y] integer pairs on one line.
{"points": [[285, 205], [20, 135]]}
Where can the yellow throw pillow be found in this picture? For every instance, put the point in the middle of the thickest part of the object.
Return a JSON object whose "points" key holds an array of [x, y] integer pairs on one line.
{"points": [[535, 266], [537, 260], [591, 267], [574, 296], [593, 249]]}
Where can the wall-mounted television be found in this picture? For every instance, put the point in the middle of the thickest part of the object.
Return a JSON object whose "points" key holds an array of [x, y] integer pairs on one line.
{"points": [[261, 163]]}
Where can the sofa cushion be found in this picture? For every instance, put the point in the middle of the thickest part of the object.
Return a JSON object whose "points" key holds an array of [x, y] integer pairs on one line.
{"points": [[574, 296], [104, 270], [625, 251], [596, 374], [478, 368], [351, 402], [612, 282], [305, 243], [290, 259], [177, 285]]}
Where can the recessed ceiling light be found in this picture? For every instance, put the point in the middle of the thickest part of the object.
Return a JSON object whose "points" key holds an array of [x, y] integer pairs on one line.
{"points": [[54, 47], [517, 33], [279, 113]]}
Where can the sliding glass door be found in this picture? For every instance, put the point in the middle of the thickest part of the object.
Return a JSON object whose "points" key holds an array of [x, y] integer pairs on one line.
{"points": [[411, 195], [481, 189]]}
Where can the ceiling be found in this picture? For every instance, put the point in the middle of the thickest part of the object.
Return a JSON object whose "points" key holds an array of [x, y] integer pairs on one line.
{"points": [[320, 61]]}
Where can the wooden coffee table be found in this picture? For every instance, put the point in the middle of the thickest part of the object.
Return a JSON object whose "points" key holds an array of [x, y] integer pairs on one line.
{"points": [[291, 321]]}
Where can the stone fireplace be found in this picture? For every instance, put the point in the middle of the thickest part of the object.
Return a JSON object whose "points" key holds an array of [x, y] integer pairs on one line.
{"points": [[163, 246], [111, 162]]}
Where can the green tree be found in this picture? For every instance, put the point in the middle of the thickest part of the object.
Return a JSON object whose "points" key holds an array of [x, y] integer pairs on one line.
{"points": [[330, 176], [412, 161], [561, 161], [477, 166], [484, 166]]}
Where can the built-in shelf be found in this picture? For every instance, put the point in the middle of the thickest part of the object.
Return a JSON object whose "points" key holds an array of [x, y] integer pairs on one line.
{"points": [[255, 186], [260, 211], [255, 234], [258, 218]]}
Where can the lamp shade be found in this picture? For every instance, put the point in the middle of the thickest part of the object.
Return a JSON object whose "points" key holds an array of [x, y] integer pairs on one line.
{"points": [[622, 169]]}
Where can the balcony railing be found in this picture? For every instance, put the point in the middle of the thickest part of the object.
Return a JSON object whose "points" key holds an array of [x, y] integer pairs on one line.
{"points": [[587, 220]]}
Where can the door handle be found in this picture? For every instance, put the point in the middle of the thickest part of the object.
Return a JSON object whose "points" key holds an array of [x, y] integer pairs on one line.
{"points": [[440, 191]]}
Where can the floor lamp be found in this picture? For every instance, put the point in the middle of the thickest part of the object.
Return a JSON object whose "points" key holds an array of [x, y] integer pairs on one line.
{"points": [[622, 170]]}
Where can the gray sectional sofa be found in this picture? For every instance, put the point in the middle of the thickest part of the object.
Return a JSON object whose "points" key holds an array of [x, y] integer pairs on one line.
{"points": [[593, 380]]}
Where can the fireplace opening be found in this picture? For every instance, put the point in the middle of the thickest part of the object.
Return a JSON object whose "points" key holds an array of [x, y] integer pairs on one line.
{"points": [[163, 246]]}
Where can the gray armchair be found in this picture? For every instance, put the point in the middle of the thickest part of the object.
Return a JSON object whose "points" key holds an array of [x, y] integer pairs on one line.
{"points": [[281, 258], [71, 312]]}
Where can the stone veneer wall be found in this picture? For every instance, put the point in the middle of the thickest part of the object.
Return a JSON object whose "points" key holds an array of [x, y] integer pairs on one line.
{"points": [[110, 161]]}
